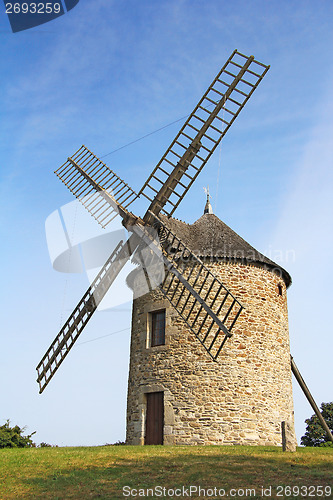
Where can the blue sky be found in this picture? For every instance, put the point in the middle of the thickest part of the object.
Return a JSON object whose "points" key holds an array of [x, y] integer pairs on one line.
{"points": [[106, 74]]}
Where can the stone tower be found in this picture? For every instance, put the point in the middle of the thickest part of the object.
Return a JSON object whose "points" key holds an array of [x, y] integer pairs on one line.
{"points": [[176, 393]]}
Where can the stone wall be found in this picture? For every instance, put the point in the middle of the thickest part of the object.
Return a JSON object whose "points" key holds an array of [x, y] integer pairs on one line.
{"points": [[240, 399]]}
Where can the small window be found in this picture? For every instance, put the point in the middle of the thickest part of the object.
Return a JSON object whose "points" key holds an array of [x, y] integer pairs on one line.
{"points": [[158, 328], [280, 289]]}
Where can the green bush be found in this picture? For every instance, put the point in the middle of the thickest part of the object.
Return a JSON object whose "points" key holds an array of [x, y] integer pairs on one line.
{"points": [[12, 437], [315, 434]]}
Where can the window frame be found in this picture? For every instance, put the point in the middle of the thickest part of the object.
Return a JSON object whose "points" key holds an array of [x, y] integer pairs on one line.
{"points": [[155, 337]]}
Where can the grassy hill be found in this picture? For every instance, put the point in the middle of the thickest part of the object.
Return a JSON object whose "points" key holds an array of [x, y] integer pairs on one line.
{"points": [[103, 472]]}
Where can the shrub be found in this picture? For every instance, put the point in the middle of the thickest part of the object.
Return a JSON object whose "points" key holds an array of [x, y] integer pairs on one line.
{"points": [[315, 434], [12, 437]]}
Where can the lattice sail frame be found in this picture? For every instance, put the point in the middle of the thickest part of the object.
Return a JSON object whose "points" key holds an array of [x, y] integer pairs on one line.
{"points": [[203, 131], [88, 178], [81, 314], [206, 305]]}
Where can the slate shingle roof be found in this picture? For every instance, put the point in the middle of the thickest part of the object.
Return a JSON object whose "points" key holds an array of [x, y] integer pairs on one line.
{"points": [[210, 237]]}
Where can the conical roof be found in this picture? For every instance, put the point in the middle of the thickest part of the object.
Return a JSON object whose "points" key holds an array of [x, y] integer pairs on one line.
{"points": [[211, 237]]}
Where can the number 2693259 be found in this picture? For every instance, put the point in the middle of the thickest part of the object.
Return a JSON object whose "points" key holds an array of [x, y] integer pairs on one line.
{"points": [[33, 8]]}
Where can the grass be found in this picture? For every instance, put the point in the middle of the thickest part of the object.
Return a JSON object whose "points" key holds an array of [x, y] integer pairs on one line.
{"points": [[102, 472]]}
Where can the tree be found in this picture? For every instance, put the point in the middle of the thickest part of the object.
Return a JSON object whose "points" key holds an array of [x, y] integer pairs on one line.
{"points": [[12, 437], [315, 434]]}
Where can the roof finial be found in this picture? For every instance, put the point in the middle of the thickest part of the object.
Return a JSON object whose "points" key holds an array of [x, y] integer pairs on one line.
{"points": [[208, 206]]}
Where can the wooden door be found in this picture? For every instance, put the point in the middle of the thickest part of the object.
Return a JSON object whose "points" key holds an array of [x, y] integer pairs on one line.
{"points": [[154, 418]]}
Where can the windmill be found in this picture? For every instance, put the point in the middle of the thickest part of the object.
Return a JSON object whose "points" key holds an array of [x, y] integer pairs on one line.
{"points": [[202, 301]]}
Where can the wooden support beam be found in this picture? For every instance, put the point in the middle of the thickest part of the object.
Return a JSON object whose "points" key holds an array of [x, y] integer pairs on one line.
{"points": [[309, 397]]}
